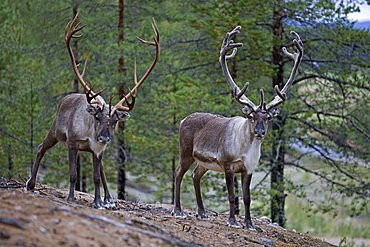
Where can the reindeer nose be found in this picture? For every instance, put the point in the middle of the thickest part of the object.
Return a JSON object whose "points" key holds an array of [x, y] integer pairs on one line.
{"points": [[259, 132], [104, 139]]}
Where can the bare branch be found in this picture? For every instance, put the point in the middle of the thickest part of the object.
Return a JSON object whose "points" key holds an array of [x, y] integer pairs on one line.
{"points": [[356, 190]]}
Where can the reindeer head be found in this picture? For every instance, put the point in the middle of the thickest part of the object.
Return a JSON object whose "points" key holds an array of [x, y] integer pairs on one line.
{"points": [[105, 115], [104, 121], [258, 115]]}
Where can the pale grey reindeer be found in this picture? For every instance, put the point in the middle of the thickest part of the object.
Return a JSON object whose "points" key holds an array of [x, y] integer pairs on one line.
{"points": [[229, 145], [85, 122]]}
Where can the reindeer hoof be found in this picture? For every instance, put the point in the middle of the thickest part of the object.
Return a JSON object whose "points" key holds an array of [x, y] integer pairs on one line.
{"points": [[233, 223], [251, 227], [110, 205], [201, 215], [98, 204], [178, 214]]}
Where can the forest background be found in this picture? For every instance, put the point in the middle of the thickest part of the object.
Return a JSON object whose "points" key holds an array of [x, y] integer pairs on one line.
{"points": [[314, 171]]}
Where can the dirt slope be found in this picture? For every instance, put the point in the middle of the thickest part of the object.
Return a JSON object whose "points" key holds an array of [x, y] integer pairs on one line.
{"points": [[44, 218]]}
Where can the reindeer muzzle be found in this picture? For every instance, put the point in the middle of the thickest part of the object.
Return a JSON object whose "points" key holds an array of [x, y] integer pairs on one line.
{"points": [[103, 139], [259, 133]]}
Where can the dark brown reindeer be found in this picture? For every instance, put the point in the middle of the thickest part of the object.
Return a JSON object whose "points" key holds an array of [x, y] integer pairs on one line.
{"points": [[85, 122], [229, 145]]}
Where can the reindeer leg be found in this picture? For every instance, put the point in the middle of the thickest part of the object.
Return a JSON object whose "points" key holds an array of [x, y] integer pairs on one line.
{"points": [[197, 175], [98, 203], [72, 156], [246, 181], [229, 175], [184, 165], [48, 143], [108, 200]]}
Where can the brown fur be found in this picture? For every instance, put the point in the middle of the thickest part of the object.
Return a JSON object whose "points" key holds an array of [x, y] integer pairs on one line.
{"points": [[80, 127], [219, 143]]}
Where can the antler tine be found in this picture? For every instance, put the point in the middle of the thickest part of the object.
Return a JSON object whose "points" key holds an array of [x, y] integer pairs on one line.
{"points": [[155, 36], [69, 24], [71, 29], [133, 92], [242, 91], [242, 99], [279, 93], [133, 98], [155, 30], [232, 55], [227, 45], [297, 58], [90, 95], [146, 42], [135, 79], [239, 94], [84, 69], [262, 104], [110, 105], [262, 100], [120, 106]]}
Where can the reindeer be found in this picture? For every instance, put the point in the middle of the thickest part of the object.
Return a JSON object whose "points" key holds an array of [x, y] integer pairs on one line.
{"points": [[229, 145], [85, 122]]}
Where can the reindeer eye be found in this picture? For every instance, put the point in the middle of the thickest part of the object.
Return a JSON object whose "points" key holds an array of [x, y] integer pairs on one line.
{"points": [[269, 117], [250, 116]]}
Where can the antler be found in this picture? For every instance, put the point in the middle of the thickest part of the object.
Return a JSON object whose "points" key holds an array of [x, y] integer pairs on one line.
{"points": [[133, 92], [71, 29], [297, 58], [227, 45]]}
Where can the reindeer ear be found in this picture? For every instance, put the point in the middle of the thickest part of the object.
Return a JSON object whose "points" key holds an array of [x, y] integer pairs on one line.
{"points": [[121, 115], [246, 110], [92, 109]]}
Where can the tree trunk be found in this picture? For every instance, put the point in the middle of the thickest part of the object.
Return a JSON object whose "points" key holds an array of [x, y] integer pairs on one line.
{"points": [[236, 185], [121, 175], [173, 179], [31, 127], [277, 160], [173, 162], [121, 149], [10, 161], [75, 90], [121, 158], [121, 37]]}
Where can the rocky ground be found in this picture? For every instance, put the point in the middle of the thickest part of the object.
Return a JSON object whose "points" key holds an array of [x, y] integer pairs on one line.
{"points": [[44, 218]]}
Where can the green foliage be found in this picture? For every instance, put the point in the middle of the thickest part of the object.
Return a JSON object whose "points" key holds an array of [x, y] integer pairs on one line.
{"points": [[322, 223], [327, 108]]}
